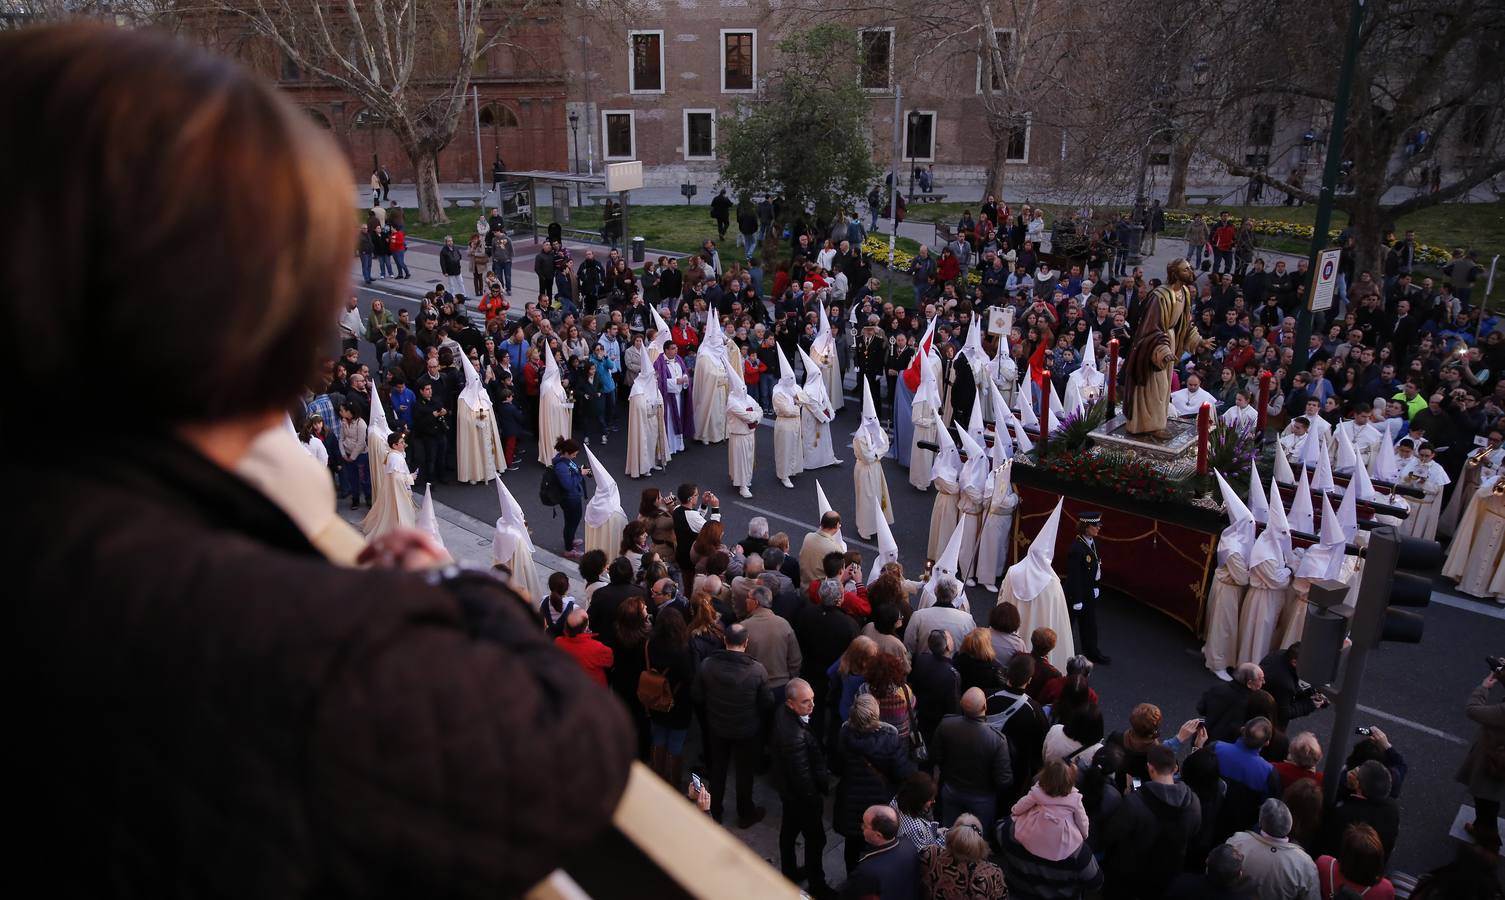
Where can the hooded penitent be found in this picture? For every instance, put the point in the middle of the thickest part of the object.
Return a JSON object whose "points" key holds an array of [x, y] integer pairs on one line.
{"points": [[1029, 576]]}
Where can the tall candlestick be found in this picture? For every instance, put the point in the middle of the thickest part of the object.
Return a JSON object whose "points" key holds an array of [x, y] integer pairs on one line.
{"points": [[1264, 401], [1044, 412], [1112, 378], [1204, 429]]}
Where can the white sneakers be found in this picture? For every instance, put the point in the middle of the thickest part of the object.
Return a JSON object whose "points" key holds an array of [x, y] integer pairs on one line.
{"points": [[786, 482], [744, 491]]}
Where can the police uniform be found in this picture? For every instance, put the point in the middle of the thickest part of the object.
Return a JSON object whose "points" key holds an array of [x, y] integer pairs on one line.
{"points": [[1084, 567]]}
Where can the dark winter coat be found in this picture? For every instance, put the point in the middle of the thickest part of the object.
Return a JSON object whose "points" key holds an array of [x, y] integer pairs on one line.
{"points": [[799, 764], [734, 689], [225, 712], [1146, 840], [872, 766]]}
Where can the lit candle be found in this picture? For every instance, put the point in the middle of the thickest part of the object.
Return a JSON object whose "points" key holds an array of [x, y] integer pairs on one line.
{"points": [[1204, 429], [1113, 378], [1264, 401]]}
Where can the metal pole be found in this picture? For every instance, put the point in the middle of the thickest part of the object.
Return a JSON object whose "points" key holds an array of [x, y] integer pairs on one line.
{"points": [[475, 97], [1381, 555], [1329, 177], [893, 200], [575, 130], [1489, 287]]}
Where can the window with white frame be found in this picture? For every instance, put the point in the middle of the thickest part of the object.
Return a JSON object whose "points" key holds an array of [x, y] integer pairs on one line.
{"points": [[877, 46], [739, 61], [1005, 38], [645, 65], [919, 135], [700, 134], [1018, 149], [620, 129]]}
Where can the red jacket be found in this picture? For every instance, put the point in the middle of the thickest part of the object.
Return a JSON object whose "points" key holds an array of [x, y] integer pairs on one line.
{"points": [[397, 240], [685, 339], [1223, 237], [949, 268], [592, 655], [753, 369]]}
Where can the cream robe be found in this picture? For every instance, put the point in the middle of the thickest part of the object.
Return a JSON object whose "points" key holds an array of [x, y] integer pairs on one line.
{"points": [[923, 419], [741, 441], [519, 557], [1476, 558], [394, 508], [992, 547], [554, 420], [606, 537], [1224, 599], [1045, 611], [1269, 590], [830, 371], [871, 486], [1470, 479], [376, 451], [711, 391], [647, 438], [788, 450], [1430, 479], [479, 445], [970, 504], [1152, 399], [943, 518], [280, 468], [815, 435]]}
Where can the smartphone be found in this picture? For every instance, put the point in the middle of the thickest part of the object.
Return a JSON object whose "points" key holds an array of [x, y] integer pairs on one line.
{"points": [[1363, 730], [696, 784]]}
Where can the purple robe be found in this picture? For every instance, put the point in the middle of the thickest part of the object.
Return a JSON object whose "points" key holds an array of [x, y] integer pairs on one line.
{"points": [[681, 413]]}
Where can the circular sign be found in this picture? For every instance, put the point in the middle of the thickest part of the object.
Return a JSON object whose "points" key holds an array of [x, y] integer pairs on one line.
{"points": [[1327, 270]]}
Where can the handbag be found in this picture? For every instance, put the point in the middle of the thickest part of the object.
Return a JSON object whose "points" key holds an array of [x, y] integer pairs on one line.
{"points": [[917, 747]]}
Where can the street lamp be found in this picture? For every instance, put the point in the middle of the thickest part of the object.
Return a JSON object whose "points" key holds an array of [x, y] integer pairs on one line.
{"points": [[914, 122], [575, 131]]}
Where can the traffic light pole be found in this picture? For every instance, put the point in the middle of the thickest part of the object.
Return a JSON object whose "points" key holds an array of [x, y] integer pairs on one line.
{"points": [[1329, 179], [1381, 557]]}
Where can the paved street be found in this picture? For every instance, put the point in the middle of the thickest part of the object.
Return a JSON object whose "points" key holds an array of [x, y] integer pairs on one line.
{"points": [[1416, 693]]}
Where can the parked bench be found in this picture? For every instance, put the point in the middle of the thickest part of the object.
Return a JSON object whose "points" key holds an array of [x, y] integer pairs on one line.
{"points": [[928, 198], [1203, 199], [465, 200]]}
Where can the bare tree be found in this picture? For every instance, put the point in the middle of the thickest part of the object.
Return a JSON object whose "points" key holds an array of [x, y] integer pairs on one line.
{"points": [[408, 61]]}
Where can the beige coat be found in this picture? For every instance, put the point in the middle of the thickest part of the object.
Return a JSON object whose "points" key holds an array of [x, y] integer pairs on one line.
{"points": [[817, 544]]}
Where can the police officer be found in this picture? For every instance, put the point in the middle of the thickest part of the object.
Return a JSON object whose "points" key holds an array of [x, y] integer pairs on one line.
{"points": [[1083, 569]]}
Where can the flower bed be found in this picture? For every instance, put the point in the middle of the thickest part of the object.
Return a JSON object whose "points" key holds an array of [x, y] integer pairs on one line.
{"points": [[1425, 253]]}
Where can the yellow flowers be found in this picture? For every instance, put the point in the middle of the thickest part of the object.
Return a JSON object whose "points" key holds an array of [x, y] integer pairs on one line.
{"points": [[1276, 228], [876, 247]]}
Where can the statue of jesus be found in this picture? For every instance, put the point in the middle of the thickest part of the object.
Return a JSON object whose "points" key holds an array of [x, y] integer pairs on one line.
{"points": [[1165, 333]]}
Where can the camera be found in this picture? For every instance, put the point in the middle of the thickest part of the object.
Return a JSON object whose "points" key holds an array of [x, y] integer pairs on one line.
{"points": [[1364, 730], [1496, 665], [928, 445]]}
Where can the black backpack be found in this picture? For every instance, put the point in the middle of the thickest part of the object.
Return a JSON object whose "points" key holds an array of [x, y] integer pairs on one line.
{"points": [[550, 491]]}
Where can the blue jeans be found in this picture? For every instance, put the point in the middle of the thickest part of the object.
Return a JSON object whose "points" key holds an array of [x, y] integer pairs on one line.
{"points": [[983, 806], [399, 258], [672, 738], [1194, 253], [503, 271], [384, 263], [749, 243], [573, 508], [355, 477], [766, 381], [366, 266]]}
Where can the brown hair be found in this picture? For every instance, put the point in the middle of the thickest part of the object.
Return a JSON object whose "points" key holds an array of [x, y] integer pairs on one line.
{"points": [[1057, 778], [978, 644], [124, 172], [1042, 640], [1004, 618], [1361, 856], [708, 541]]}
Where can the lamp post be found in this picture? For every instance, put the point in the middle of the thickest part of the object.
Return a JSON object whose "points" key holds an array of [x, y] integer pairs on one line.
{"points": [[575, 132], [914, 122]]}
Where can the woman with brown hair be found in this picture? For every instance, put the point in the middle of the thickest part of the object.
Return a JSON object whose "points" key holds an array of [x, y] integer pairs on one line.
{"points": [[1358, 870], [977, 664], [163, 592], [707, 545], [655, 511], [959, 869]]}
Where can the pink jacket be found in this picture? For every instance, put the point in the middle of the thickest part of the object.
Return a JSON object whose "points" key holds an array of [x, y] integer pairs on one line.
{"points": [[1051, 828]]}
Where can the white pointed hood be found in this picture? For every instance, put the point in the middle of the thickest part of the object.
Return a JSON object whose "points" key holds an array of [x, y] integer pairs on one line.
{"points": [[823, 506], [1348, 455], [815, 382], [888, 548], [607, 499], [1385, 466], [646, 385], [1302, 517], [511, 528], [975, 470], [1283, 470], [428, 522], [1362, 487], [377, 425], [1024, 401], [550, 366], [974, 422], [1021, 439], [824, 341], [1003, 444], [1051, 422], [1029, 576], [972, 349], [947, 464], [660, 334], [786, 371], [1324, 559], [1348, 514], [1259, 507], [1274, 543], [929, 391], [945, 566], [736, 384], [1322, 477], [714, 340], [1311, 448], [870, 427], [474, 393], [1238, 537]]}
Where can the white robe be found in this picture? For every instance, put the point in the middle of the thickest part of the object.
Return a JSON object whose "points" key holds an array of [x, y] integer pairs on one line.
{"points": [[554, 419], [1476, 558], [647, 440], [676, 369], [1185, 403], [970, 504], [741, 440], [606, 537], [923, 417], [711, 392], [1468, 483], [1241, 417], [944, 515], [788, 448], [516, 553], [394, 508], [1269, 589], [478, 443], [871, 486], [1224, 601], [1045, 611], [830, 374], [992, 546], [1365, 440], [1430, 479], [815, 434], [376, 450]]}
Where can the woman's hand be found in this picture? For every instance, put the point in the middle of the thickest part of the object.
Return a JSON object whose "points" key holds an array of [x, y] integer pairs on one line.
{"points": [[404, 549]]}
